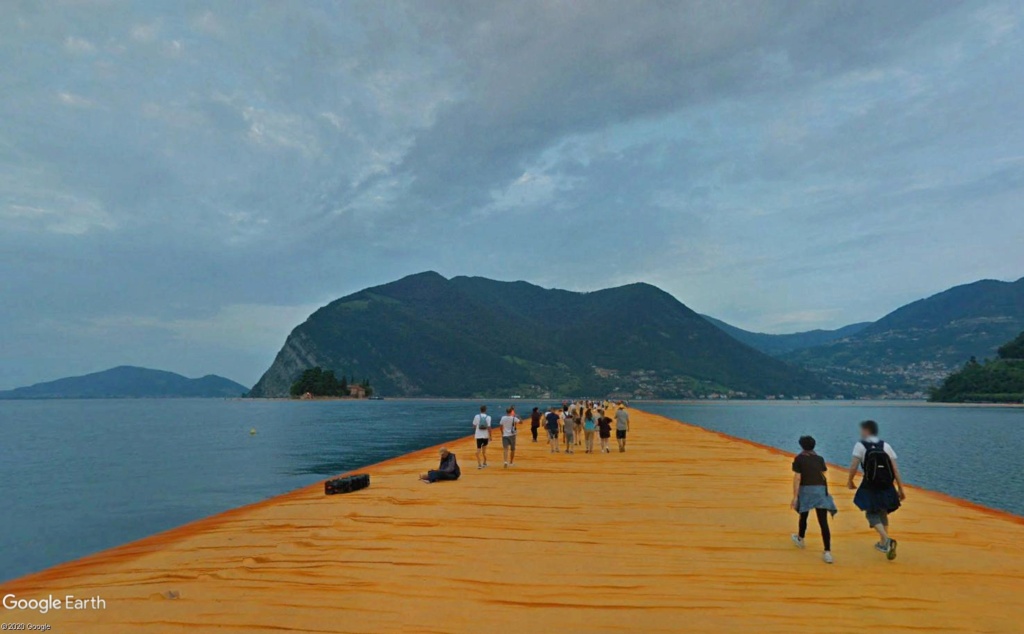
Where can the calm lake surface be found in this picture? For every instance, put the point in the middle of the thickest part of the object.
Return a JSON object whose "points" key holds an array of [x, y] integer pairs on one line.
{"points": [[81, 476], [969, 452]]}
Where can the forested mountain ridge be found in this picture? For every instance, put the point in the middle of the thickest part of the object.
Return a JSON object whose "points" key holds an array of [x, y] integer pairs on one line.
{"points": [[1000, 380], [425, 335], [916, 346]]}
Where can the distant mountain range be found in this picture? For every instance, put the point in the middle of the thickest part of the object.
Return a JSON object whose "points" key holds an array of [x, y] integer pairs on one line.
{"points": [[915, 347], [130, 382], [778, 345], [425, 335]]}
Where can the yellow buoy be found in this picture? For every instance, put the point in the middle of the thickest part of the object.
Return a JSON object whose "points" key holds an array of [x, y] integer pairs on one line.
{"points": [[252, 432]]}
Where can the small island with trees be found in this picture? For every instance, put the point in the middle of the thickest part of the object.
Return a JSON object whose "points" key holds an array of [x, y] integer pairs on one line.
{"points": [[999, 380], [319, 383]]}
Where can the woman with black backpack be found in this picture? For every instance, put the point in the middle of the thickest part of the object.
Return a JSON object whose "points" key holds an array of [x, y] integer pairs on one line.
{"points": [[881, 488]]}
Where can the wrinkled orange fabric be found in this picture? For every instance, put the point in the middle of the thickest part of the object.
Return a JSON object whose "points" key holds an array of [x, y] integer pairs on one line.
{"points": [[688, 531]]}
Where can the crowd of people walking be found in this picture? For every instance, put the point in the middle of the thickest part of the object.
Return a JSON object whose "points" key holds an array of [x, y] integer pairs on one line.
{"points": [[575, 424], [571, 425]]}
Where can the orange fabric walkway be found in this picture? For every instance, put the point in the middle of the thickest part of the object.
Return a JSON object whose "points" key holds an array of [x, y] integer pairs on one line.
{"points": [[687, 531]]}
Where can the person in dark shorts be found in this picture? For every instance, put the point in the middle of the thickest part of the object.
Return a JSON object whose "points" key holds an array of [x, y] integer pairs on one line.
{"points": [[810, 492], [551, 421], [482, 434], [535, 418], [604, 431], [448, 469], [881, 488], [621, 425]]}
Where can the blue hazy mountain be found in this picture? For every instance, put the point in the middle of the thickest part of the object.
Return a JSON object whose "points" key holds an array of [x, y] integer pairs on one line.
{"points": [[130, 382], [777, 345]]}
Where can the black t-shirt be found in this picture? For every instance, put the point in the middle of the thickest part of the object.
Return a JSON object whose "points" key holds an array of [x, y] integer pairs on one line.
{"points": [[535, 419], [552, 421], [604, 424], [811, 468]]}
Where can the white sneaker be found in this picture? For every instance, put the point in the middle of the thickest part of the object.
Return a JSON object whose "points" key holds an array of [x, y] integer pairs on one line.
{"points": [[511, 464], [827, 557], [506, 465], [797, 540]]}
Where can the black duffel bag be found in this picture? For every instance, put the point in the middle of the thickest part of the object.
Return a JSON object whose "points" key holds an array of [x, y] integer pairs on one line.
{"points": [[347, 484]]}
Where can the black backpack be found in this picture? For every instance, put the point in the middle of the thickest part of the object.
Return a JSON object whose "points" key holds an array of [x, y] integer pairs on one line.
{"points": [[878, 471]]}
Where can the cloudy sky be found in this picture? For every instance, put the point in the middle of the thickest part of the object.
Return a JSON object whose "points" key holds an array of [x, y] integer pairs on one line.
{"points": [[183, 182]]}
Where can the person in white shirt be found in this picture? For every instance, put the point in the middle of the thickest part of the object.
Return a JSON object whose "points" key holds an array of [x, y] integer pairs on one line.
{"points": [[482, 433], [508, 424], [881, 489]]}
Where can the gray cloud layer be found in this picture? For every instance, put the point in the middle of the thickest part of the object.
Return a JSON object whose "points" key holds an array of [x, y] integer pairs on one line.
{"points": [[179, 185]]}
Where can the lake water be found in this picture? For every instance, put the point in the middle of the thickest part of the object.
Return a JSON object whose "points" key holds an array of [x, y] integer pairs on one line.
{"points": [[969, 452], [81, 476]]}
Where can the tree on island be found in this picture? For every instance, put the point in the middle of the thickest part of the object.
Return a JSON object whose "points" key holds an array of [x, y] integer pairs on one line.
{"points": [[319, 382], [1014, 349], [999, 380]]}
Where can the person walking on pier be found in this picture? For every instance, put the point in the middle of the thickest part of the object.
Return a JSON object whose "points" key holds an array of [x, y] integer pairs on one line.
{"points": [[535, 417], [604, 430], [588, 430], [578, 423], [621, 425], [482, 433], [551, 423], [881, 487], [810, 492], [508, 424], [569, 430]]}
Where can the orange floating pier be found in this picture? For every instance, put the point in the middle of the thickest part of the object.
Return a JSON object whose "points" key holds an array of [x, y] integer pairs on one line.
{"points": [[688, 531]]}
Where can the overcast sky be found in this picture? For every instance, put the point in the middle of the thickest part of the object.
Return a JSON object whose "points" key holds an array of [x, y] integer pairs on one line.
{"points": [[181, 183]]}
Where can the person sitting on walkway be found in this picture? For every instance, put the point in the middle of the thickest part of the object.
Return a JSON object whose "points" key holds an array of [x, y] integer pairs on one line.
{"points": [[448, 469], [810, 491], [881, 488]]}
